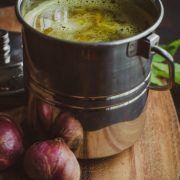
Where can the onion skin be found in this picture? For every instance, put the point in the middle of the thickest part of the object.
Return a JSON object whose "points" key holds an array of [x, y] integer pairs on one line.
{"points": [[46, 115], [34, 126], [11, 145], [70, 129], [51, 160]]}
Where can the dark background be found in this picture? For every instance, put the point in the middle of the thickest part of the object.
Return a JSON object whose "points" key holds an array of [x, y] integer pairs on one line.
{"points": [[169, 30]]}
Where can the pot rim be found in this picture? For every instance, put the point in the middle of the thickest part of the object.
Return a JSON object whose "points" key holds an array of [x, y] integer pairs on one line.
{"points": [[108, 43]]}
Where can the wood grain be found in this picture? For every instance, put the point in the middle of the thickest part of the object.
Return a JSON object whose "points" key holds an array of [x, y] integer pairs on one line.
{"points": [[155, 156], [112, 139], [8, 20]]}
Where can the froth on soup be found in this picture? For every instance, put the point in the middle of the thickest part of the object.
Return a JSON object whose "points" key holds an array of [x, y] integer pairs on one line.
{"points": [[86, 20]]}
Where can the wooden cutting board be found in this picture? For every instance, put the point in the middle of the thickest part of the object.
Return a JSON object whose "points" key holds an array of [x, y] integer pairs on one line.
{"points": [[155, 156]]}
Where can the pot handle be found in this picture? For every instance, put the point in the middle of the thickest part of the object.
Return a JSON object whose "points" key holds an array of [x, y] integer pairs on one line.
{"points": [[170, 61]]}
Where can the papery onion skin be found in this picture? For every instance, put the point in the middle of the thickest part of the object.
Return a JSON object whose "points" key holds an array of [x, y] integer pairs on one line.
{"points": [[46, 115], [51, 160], [69, 128], [11, 143]]}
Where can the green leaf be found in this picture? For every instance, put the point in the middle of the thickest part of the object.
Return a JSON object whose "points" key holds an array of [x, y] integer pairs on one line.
{"points": [[155, 80], [171, 48], [159, 69], [177, 73], [162, 70], [158, 58]]}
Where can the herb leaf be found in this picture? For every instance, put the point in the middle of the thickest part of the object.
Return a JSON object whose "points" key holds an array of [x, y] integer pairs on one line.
{"points": [[177, 73], [160, 70], [155, 80], [173, 47]]}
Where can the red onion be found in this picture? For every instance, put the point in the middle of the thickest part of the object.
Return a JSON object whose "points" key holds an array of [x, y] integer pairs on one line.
{"points": [[11, 146], [51, 160], [41, 119], [70, 129], [46, 115]]}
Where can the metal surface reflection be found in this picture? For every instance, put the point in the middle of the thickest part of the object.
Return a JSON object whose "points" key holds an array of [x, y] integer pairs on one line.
{"points": [[103, 85], [101, 142], [111, 140]]}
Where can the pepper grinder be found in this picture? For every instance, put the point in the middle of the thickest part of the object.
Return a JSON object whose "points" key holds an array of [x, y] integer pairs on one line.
{"points": [[11, 70]]}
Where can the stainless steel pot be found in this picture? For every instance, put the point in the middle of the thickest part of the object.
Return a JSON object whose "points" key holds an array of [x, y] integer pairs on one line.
{"points": [[104, 85]]}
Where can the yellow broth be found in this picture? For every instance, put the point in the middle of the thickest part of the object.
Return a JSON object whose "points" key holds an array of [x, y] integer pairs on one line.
{"points": [[87, 21]]}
